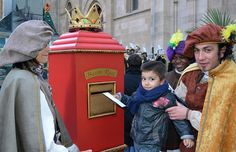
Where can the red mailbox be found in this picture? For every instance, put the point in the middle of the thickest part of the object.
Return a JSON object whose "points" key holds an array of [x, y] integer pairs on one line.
{"points": [[83, 65]]}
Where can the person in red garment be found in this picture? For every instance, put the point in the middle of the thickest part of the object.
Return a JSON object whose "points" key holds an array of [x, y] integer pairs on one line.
{"points": [[212, 111], [179, 62]]}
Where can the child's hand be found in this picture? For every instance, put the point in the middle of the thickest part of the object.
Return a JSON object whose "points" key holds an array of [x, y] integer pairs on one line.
{"points": [[188, 143], [118, 96]]}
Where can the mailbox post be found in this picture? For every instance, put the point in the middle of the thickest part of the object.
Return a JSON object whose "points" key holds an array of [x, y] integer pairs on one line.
{"points": [[83, 65]]}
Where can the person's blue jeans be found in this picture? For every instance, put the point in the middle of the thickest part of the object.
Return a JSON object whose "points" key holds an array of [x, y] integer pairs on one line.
{"points": [[129, 149]]}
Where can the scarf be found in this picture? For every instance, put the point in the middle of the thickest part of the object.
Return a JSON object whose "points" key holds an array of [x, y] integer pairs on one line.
{"points": [[146, 96], [37, 69], [61, 135]]}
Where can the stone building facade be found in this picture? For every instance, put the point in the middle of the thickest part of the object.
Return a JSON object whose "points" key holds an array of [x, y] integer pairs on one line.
{"points": [[147, 23], [143, 22]]}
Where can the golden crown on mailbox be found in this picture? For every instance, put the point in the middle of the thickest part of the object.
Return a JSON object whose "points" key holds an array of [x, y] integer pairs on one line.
{"points": [[90, 22]]}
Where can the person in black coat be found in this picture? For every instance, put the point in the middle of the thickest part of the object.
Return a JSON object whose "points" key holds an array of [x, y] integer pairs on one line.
{"points": [[131, 82]]}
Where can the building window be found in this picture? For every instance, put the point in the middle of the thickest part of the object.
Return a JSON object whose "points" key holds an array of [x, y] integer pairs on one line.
{"points": [[100, 12], [131, 5], [69, 6], [134, 5]]}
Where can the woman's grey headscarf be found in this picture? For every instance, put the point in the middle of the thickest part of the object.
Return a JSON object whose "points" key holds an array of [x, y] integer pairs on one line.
{"points": [[25, 42]]}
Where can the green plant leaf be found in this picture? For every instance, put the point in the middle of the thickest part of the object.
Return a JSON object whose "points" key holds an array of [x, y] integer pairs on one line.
{"points": [[218, 17]]}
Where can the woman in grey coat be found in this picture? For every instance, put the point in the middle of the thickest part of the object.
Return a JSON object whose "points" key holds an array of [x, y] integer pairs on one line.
{"points": [[28, 118]]}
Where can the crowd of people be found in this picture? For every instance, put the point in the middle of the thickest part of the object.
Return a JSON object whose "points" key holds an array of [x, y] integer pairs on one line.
{"points": [[188, 107]]}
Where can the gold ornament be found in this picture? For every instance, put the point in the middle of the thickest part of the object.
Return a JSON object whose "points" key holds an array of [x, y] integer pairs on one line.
{"points": [[90, 22]]}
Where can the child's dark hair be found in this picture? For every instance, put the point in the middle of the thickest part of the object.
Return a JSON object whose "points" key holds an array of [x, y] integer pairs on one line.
{"points": [[156, 66]]}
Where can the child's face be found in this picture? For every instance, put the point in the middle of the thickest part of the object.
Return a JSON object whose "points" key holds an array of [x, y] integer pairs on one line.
{"points": [[150, 80]]}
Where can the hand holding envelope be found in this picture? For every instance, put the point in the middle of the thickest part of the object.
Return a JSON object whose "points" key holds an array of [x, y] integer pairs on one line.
{"points": [[115, 98]]}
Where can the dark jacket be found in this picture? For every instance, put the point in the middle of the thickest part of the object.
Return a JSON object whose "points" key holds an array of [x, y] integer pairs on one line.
{"points": [[131, 83], [151, 122], [173, 139], [132, 80]]}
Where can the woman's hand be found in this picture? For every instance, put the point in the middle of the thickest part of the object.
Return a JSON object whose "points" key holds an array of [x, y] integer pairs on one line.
{"points": [[74, 148], [178, 112]]}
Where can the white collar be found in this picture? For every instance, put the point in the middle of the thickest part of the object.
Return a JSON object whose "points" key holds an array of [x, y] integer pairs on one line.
{"points": [[179, 72]]}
